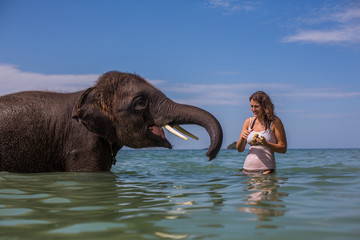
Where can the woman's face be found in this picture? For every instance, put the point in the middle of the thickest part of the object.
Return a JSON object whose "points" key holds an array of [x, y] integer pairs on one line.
{"points": [[256, 108]]}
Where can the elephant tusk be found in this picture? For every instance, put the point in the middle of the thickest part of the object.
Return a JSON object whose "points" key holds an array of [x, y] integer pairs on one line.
{"points": [[180, 129], [173, 131]]}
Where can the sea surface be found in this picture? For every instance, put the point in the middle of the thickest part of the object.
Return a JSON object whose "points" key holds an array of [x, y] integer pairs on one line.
{"points": [[178, 194]]}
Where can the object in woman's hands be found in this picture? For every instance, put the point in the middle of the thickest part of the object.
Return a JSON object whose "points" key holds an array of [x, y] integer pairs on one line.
{"points": [[256, 136], [257, 140]]}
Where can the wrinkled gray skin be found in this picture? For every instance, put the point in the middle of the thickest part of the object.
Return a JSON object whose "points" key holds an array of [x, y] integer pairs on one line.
{"points": [[83, 131]]}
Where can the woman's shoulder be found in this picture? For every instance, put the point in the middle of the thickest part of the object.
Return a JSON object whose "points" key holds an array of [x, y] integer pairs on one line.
{"points": [[247, 122], [276, 123], [277, 120]]}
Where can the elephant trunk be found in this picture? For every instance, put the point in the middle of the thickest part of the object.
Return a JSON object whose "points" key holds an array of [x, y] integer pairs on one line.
{"points": [[171, 113]]}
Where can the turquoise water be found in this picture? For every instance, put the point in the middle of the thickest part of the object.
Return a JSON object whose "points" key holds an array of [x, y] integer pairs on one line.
{"points": [[178, 194]]}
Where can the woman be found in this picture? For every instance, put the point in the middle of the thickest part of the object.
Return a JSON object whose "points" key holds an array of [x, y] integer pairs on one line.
{"points": [[265, 134]]}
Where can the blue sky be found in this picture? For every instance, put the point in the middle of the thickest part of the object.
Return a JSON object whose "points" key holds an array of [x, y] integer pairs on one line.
{"points": [[210, 53]]}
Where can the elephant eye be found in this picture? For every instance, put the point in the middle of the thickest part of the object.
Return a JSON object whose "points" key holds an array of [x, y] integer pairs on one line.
{"points": [[140, 103]]}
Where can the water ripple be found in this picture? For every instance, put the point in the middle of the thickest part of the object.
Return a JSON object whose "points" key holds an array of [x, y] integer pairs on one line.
{"points": [[179, 195]]}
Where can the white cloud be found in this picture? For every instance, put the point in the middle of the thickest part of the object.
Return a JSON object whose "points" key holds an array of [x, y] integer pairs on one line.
{"points": [[12, 79], [346, 34], [319, 93], [337, 14], [336, 25], [233, 6], [238, 94], [346, 15]]}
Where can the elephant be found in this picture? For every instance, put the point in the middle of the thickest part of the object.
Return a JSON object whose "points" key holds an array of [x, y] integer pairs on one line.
{"points": [[42, 131]]}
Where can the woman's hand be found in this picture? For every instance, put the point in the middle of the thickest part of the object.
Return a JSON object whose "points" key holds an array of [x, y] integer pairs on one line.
{"points": [[246, 133], [263, 141], [259, 140], [241, 143]]}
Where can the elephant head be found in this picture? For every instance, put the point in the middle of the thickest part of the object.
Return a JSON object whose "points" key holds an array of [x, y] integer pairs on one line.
{"points": [[127, 110]]}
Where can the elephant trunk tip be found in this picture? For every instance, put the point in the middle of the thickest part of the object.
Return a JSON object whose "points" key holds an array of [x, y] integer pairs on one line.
{"points": [[211, 157], [216, 138], [212, 154]]}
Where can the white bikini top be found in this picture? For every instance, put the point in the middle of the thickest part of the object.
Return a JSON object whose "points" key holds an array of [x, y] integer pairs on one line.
{"points": [[259, 156], [267, 134]]}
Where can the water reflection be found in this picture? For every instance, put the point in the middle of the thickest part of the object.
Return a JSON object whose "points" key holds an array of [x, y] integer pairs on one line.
{"points": [[215, 191], [263, 198], [86, 205], [130, 205]]}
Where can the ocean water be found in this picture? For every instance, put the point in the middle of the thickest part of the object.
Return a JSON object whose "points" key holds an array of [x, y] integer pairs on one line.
{"points": [[178, 194]]}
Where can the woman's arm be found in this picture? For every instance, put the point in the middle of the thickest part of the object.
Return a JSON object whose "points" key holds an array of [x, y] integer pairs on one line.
{"points": [[279, 131], [241, 143]]}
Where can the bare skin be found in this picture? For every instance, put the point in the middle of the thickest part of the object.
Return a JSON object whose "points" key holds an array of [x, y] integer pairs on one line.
{"points": [[277, 127]]}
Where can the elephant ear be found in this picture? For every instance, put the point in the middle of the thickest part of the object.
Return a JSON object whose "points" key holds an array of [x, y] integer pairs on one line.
{"points": [[93, 112]]}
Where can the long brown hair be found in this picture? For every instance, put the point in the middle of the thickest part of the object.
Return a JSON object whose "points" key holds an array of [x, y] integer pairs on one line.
{"points": [[265, 102]]}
